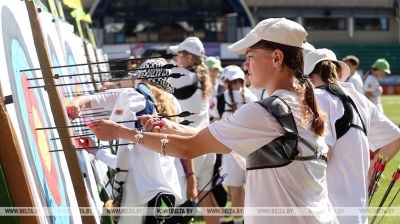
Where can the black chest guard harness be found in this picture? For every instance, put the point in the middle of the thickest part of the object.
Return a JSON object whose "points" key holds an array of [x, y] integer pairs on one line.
{"points": [[150, 103], [343, 124], [284, 149], [188, 91]]}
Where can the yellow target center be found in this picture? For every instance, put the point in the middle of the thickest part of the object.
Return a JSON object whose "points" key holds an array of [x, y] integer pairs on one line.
{"points": [[41, 140]]}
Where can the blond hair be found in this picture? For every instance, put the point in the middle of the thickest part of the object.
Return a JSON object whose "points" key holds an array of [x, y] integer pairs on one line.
{"points": [[202, 73], [164, 103]]}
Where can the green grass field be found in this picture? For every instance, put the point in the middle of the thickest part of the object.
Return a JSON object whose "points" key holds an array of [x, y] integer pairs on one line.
{"points": [[391, 105]]}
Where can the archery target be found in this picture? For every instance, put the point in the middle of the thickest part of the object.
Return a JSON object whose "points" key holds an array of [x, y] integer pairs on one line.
{"points": [[58, 57], [74, 53], [51, 183]]}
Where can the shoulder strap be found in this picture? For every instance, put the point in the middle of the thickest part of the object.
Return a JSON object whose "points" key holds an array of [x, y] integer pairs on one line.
{"points": [[281, 111], [262, 94], [343, 124], [284, 149], [220, 100], [150, 103], [364, 129], [187, 91], [220, 89], [286, 120]]}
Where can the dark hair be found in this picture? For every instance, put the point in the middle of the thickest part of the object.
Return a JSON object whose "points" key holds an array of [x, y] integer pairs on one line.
{"points": [[327, 70], [352, 61], [293, 58]]}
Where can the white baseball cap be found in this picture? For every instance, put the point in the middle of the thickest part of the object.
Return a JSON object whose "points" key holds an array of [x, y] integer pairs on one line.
{"points": [[314, 57], [232, 72], [307, 47], [278, 30], [192, 45]]}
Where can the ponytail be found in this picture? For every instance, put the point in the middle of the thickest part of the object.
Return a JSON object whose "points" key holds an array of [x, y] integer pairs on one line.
{"points": [[312, 114], [233, 103], [203, 76], [164, 103], [327, 70], [243, 95]]}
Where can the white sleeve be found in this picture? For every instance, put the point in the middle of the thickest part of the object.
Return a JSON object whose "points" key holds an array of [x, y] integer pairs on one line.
{"points": [[327, 105], [178, 108], [248, 129], [128, 103], [107, 157], [370, 84], [176, 103], [104, 100], [250, 97], [359, 86], [183, 81], [382, 131]]}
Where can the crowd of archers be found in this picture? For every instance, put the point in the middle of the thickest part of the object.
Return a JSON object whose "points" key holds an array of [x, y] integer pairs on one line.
{"points": [[292, 127]]}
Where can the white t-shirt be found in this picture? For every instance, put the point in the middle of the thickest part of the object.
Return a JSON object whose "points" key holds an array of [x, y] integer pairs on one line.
{"points": [[195, 103], [299, 184], [149, 173], [357, 82], [230, 165], [105, 99], [178, 164], [238, 98], [203, 164], [349, 161], [372, 85], [259, 93]]}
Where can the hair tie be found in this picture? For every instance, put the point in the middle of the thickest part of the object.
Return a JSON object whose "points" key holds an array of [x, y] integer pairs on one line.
{"points": [[302, 76]]}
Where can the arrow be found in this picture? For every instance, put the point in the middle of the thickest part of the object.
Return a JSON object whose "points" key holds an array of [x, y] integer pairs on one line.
{"points": [[395, 177], [73, 136], [107, 112], [186, 122], [166, 56], [390, 204], [90, 93], [183, 114], [377, 165], [57, 76], [81, 93], [91, 148], [78, 125], [173, 75], [99, 108], [95, 115], [376, 182]]}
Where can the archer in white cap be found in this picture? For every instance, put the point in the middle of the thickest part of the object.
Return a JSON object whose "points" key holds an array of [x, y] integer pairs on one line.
{"points": [[349, 155], [372, 89], [275, 62], [236, 93], [355, 78], [193, 92], [192, 45]]}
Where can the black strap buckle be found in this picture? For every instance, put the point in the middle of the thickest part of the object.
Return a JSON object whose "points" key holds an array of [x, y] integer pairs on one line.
{"points": [[8, 100]]}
